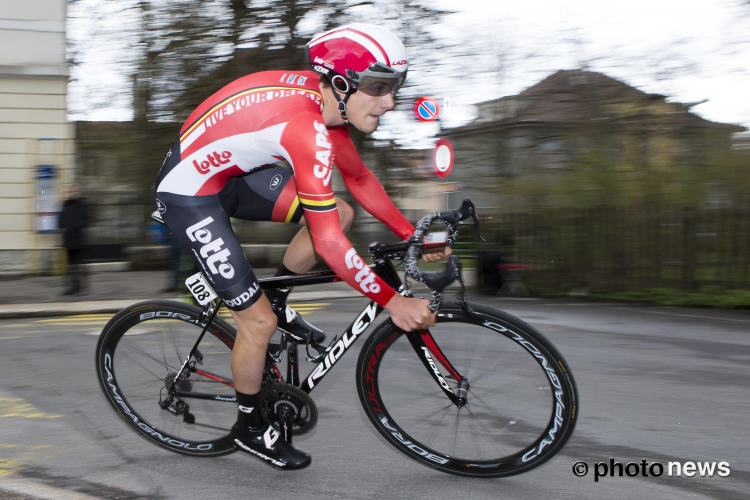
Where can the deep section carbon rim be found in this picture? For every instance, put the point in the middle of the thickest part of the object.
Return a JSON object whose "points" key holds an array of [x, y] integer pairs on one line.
{"points": [[521, 402], [138, 355]]}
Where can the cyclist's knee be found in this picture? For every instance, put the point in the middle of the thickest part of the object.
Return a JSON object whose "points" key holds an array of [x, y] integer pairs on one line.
{"points": [[346, 214], [264, 326], [257, 323]]}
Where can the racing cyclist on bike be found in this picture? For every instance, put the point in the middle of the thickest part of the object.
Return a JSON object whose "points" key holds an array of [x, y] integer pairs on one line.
{"points": [[222, 166]]}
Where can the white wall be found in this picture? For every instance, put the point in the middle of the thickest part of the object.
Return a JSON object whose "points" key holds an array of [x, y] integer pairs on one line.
{"points": [[33, 88]]}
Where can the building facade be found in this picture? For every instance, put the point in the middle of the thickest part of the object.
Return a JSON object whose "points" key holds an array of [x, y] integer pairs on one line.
{"points": [[36, 140], [573, 115]]}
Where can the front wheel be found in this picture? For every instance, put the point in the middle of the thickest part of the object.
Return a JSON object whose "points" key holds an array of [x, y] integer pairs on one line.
{"points": [[520, 404]]}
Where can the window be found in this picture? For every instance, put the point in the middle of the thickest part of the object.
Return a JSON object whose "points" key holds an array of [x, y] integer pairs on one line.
{"points": [[551, 145]]}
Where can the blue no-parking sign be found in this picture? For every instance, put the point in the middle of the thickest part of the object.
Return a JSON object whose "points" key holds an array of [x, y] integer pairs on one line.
{"points": [[427, 109]]}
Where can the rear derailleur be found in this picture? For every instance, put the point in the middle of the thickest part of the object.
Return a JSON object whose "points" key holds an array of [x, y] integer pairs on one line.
{"points": [[174, 404]]}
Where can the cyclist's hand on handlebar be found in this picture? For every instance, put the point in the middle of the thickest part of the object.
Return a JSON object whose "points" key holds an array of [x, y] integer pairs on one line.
{"points": [[410, 314], [434, 257]]}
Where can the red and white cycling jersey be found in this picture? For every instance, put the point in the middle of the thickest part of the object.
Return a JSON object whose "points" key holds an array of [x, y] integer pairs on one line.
{"points": [[275, 115]]}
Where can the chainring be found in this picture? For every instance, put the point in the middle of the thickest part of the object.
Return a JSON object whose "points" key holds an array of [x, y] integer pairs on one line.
{"points": [[275, 396]]}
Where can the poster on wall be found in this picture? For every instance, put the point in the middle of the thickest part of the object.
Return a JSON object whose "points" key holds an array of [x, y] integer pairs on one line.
{"points": [[48, 199]]}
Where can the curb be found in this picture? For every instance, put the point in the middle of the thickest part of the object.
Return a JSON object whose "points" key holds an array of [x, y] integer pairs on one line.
{"points": [[12, 311]]}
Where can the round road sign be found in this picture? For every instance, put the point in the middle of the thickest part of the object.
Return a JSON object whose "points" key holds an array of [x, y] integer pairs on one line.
{"points": [[442, 158], [427, 109]]}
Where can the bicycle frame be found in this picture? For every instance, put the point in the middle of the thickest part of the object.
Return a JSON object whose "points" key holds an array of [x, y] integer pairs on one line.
{"points": [[422, 341]]}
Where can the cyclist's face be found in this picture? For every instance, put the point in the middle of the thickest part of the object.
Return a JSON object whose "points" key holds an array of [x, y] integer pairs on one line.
{"points": [[364, 111]]}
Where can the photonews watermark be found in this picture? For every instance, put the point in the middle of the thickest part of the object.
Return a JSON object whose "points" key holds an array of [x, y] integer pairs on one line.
{"points": [[645, 468]]}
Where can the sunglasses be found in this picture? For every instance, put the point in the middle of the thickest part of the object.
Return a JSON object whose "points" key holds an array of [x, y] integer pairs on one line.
{"points": [[370, 85]]}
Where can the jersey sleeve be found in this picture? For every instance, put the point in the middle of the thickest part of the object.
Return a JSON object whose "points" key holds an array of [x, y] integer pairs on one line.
{"points": [[308, 146], [365, 187]]}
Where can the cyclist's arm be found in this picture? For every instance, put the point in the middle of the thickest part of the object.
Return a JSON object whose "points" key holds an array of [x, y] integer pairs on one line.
{"points": [[308, 148], [365, 187]]}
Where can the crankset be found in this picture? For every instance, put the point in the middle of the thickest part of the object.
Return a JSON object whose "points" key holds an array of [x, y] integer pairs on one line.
{"points": [[283, 403]]}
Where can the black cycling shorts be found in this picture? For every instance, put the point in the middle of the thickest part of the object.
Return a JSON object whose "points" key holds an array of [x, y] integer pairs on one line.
{"points": [[201, 224]]}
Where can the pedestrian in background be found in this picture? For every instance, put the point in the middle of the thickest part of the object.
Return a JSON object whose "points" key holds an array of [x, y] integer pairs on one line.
{"points": [[74, 218], [159, 235]]}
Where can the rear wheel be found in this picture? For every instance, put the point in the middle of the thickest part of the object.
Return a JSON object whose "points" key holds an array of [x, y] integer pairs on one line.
{"points": [[138, 356], [521, 403]]}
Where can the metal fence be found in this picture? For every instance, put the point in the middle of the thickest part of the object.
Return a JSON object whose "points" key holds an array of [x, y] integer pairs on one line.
{"points": [[611, 249], [603, 248]]}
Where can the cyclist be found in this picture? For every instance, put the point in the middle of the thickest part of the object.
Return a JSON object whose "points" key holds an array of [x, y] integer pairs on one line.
{"points": [[222, 166]]}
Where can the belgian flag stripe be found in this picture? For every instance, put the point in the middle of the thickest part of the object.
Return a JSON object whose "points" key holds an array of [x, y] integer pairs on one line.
{"points": [[318, 205], [321, 203], [292, 210], [314, 208]]}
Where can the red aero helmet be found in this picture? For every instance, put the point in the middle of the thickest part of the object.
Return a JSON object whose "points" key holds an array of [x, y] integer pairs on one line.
{"points": [[360, 52]]}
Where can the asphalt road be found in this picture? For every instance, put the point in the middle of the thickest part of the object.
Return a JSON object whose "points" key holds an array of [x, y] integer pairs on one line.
{"points": [[655, 383]]}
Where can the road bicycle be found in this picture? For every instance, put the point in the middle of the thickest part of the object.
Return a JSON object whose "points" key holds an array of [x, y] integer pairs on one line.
{"points": [[481, 394]]}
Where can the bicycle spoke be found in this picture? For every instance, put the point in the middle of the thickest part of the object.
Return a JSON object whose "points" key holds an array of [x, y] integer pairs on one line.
{"points": [[455, 431], [135, 347], [162, 349], [437, 428], [487, 431], [174, 344], [476, 396], [130, 356], [212, 427], [474, 438], [480, 376]]}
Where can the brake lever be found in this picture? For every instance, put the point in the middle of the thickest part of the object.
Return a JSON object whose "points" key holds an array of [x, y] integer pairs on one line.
{"points": [[476, 226], [467, 210]]}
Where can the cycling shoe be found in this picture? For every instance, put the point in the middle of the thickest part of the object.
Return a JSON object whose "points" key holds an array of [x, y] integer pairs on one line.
{"points": [[298, 329], [266, 443]]}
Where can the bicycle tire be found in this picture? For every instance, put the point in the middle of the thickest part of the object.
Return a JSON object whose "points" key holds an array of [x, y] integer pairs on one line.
{"points": [[134, 374], [395, 388]]}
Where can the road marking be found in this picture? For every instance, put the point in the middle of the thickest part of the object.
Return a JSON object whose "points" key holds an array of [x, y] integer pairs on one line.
{"points": [[71, 320], [129, 333], [11, 446], [20, 408], [8, 467], [102, 315], [20, 334], [32, 489], [92, 320], [303, 308], [79, 317]]}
